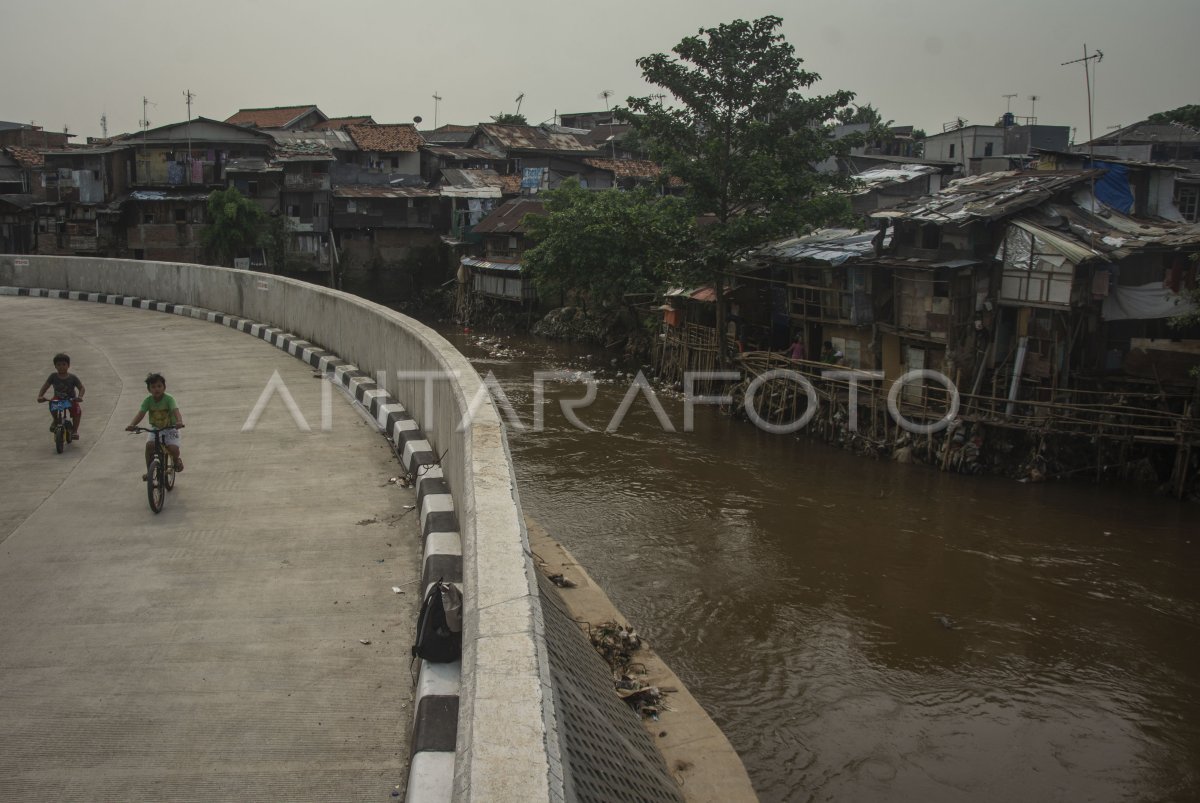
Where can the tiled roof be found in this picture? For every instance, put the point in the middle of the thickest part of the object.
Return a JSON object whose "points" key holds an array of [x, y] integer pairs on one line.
{"points": [[276, 117], [25, 157], [337, 123], [627, 168], [390, 138]]}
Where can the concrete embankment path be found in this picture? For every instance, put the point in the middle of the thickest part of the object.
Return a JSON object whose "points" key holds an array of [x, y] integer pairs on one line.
{"points": [[244, 644]]}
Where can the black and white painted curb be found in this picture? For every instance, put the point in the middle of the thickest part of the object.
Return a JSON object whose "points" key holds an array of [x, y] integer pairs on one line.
{"points": [[435, 723]]}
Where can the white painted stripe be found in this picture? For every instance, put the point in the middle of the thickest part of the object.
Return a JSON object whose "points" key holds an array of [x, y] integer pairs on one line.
{"points": [[434, 472], [412, 447], [441, 680], [406, 425], [385, 410], [431, 778], [256, 330], [442, 544]]}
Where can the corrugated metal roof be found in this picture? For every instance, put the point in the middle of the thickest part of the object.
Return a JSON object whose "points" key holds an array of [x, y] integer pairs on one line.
{"points": [[534, 138], [465, 154], [365, 191], [1081, 235], [828, 246], [314, 141], [389, 138], [986, 197], [480, 183], [877, 177], [507, 267], [509, 216], [165, 195], [19, 200]]}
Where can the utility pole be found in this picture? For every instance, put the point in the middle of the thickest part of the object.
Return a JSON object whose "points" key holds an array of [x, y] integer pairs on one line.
{"points": [[1033, 99], [1087, 75], [187, 93]]}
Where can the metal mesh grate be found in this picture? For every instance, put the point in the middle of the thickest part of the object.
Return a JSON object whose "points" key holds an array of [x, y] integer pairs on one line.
{"points": [[607, 754]]}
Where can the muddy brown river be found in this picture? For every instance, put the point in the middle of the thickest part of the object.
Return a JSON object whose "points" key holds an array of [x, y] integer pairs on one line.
{"points": [[867, 631]]}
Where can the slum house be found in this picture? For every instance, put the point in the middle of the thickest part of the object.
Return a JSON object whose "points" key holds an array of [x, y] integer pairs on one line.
{"points": [[626, 174], [385, 154], [544, 156], [28, 163], [885, 185], [81, 214], [1139, 189], [27, 135], [306, 200], [450, 135], [1039, 319], [16, 208], [176, 167], [436, 158], [1175, 143], [287, 118], [819, 291], [936, 284], [470, 195], [498, 275]]}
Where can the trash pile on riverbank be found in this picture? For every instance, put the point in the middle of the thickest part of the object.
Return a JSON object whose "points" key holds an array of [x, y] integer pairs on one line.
{"points": [[616, 644]]}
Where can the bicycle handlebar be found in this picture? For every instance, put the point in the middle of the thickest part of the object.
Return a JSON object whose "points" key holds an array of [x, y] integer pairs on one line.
{"points": [[151, 429]]}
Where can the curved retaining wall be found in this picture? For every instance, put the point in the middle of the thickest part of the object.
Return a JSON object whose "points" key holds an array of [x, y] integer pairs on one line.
{"points": [[506, 747]]}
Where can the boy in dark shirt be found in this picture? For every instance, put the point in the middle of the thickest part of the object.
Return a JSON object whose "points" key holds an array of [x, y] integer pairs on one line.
{"points": [[65, 385]]}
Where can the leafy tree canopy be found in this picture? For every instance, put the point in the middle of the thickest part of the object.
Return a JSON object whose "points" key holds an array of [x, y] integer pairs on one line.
{"points": [[603, 244], [741, 135], [235, 225], [506, 118], [1188, 115]]}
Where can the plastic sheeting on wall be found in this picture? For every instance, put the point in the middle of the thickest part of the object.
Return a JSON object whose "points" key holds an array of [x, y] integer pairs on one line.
{"points": [[1112, 189], [1143, 303]]}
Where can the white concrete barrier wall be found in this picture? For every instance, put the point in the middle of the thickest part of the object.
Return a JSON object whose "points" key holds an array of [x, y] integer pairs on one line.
{"points": [[506, 742]]}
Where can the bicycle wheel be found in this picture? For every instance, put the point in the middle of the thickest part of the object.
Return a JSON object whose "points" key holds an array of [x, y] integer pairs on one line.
{"points": [[169, 468], [156, 491], [60, 437]]}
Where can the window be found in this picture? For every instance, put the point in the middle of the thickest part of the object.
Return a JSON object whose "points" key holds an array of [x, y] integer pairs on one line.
{"points": [[318, 210], [147, 217], [252, 188], [181, 216], [931, 236], [396, 162], [951, 150], [987, 149], [293, 210], [1187, 199]]}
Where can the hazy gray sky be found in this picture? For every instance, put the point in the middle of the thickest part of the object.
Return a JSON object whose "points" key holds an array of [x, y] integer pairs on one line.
{"points": [[921, 62]]}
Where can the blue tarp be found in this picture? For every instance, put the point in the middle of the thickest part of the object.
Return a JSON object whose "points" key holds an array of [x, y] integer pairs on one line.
{"points": [[1112, 189]]}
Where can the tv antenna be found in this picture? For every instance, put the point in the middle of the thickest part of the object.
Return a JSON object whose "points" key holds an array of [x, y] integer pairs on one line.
{"points": [[520, 98], [187, 93], [604, 95], [1033, 99], [1094, 59], [436, 100], [1008, 104], [104, 124]]}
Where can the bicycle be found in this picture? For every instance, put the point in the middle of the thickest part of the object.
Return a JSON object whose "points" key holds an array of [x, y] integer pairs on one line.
{"points": [[160, 474], [64, 424]]}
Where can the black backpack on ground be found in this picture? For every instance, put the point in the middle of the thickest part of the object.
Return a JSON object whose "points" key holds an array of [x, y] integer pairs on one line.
{"points": [[439, 625]]}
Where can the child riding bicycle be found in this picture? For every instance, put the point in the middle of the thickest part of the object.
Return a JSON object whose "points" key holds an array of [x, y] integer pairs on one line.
{"points": [[164, 413], [66, 386]]}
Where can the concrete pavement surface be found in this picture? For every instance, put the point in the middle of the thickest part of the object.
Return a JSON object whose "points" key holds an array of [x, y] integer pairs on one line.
{"points": [[245, 643]]}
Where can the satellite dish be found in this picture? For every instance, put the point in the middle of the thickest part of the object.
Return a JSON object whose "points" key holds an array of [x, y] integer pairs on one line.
{"points": [[417, 119]]}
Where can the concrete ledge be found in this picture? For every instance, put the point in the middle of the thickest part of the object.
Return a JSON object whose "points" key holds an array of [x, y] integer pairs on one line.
{"points": [[506, 744]]}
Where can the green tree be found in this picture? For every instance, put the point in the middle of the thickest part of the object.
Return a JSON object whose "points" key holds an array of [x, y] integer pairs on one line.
{"points": [[603, 244], [508, 118], [743, 138], [235, 224], [1188, 115]]}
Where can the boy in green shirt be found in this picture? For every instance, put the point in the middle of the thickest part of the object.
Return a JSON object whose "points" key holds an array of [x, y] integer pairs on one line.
{"points": [[164, 412]]}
